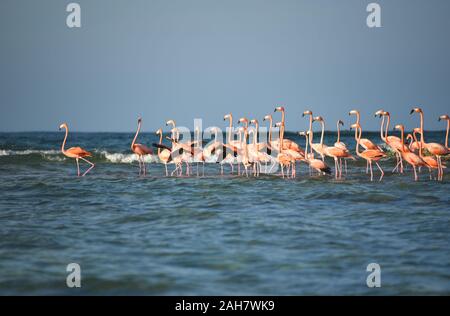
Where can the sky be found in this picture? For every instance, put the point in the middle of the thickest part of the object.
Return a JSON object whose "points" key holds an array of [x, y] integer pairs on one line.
{"points": [[186, 59]]}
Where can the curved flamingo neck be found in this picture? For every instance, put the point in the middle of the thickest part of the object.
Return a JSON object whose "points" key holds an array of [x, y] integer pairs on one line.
{"points": [[402, 132], [339, 133], [311, 134], [357, 140], [446, 137], [422, 140], [65, 139], [323, 133], [381, 129], [230, 129], [387, 126], [160, 142], [135, 136], [358, 117], [270, 130], [306, 146]]}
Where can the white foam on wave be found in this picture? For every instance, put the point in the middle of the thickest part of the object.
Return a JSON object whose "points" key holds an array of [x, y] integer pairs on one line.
{"points": [[8, 152], [125, 158]]}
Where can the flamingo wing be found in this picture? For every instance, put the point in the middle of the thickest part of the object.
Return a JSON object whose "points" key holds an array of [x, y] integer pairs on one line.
{"points": [[78, 151]]}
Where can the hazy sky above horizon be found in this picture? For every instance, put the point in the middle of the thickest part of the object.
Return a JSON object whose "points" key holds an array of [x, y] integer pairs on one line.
{"points": [[186, 59]]}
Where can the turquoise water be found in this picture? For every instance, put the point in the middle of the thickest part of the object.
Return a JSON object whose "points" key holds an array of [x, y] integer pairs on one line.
{"points": [[212, 235]]}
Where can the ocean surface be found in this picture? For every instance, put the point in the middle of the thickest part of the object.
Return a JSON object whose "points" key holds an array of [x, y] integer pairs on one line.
{"points": [[213, 235]]}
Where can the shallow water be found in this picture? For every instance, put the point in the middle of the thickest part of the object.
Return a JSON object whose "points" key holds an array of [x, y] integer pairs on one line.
{"points": [[212, 235]]}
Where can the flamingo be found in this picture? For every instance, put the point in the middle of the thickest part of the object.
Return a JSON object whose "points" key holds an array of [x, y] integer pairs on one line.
{"points": [[429, 160], [371, 155], [232, 146], [244, 149], [164, 155], [316, 164], [364, 142], [410, 157], [212, 151], [186, 149], [321, 147], [140, 150], [447, 118], [283, 158], [75, 152], [435, 149], [287, 143], [342, 145], [393, 141]]}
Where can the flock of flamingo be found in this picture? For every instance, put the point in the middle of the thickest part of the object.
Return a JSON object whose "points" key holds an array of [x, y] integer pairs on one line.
{"points": [[256, 156]]}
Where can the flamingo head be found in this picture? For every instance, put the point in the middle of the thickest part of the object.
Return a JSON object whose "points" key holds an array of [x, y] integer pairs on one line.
{"points": [[139, 119], [416, 130], [400, 127], [243, 120], [159, 131], [302, 133], [417, 110], [63, 125], [318, 118], [267, 117], [254, 121], [353, 112], [341, 123], [379, 113], [227, 116], [356, 125], [278, 124], [444, 117], [385, 113], [307, 112], [279, 109], [171, 122]]}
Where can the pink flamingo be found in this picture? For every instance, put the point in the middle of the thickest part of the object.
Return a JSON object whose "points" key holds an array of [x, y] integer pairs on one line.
{"points": [[410, 157], [140, 150], [75, 152], [433, 148]]}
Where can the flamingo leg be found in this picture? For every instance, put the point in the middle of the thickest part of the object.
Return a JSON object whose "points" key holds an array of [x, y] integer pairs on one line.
{"points": [[203, 169], [415, 173], [78, 166], [367, 167], [89, 169], [143, 165], [345, 161], [371, 171], [140, 168], [167, 173], [381, 170]]}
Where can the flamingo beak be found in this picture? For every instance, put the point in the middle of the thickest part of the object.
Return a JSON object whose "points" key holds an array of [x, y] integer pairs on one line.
{"points": [[439, 119], [412, 111]]}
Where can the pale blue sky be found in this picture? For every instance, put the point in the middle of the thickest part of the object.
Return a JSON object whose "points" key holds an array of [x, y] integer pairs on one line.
{"points": [[184, 59]]}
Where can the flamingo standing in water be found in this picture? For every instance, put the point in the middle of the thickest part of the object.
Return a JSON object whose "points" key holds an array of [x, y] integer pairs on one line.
{"points": [[321, 147], [287, 143], [317, 164], [164, 155], [429, 160], [75, 152], [447, 118], [140, 150], [364, 142], [433, 148], [371, 155], [392, 141], [342, 145], [410, 157]]}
